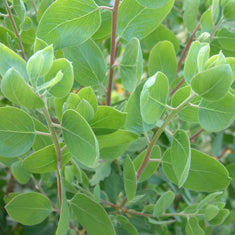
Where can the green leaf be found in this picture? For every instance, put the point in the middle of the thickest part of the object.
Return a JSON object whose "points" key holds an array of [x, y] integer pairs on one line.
{"points": [[181, 156], [190, 9], [189, 114], [101, 172], [39, 64], [88, 62], [226, 39], [19, 173], [63, 87], [134, 121], [208, 199], [203, 56], [229, 10], [163, 203], [45, 160], [206, 21], [9, 59], [85, 109], [216, 60], [107, 120], [79, 138], [151, 166], [214, 83], [231, 170], [127, 225], [130, 179], [193, 227], [206, 174], [63, 225], [91, 215], [211, 211], [19, 8], [17, 132], [29, 208], [217, 115], [215, 11], [161, 34], [190, 67], [15, 88], [131, 67], [153, 98], [163, 58], [88, 94], [231, 62], [132, 15], [220, 217], [65, 20], [151, 4]]}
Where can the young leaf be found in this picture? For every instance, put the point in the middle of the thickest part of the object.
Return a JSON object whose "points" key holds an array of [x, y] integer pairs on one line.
{"points": [[163, 58], [217, 115], [88, 62], [226, 39], [80, 138], [19, 8], [190, 13], [63, 87], [39, 64], [153, 98], [29, 208], [17, 132], [131, 67], [132, 15], [151, 166], [9, 59], [107, 120], [206, 174], [163, 203], [220, 217], [203, 56], [193, 227], [211, 211], [18, 91], [215, 11], [229, 10], [91, 215], [45, 160], [130, 180], [19, 173], [85, 109], [127, 225], [63, 224], [62, 22], [181, 156], [214, 83], [206, 21]]}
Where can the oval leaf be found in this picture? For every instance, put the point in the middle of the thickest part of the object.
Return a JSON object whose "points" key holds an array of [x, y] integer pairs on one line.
{"points": [[91, 215], [29, 208], [80, 138], [193, 227], [65, 20], [17, 132]]}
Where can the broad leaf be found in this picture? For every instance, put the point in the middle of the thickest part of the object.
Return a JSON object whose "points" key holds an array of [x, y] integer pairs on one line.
{"points": [[193, 227], [19, 173], [217, 115], [153, 98], [181, 156], [19, 8], [127, 225], [203, 56], [229, 10], [214, 83], [66, 20], [151, 166], [132, 15], [163, 203], [63, 87], [220, 217], [45, 160], [215, 11], [29, 208], [163, 58], [131, 67], [107, 120], [9, 59], [206, 21], [15, 88], [211, 211], [79, 138], [226, 39], [151, 4], [17, 132], [206, 174], [129, 177], [88, 63], [91, 215]]}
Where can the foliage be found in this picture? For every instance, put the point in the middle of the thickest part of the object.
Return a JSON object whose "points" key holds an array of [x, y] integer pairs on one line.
{"points": [[117, 117]]}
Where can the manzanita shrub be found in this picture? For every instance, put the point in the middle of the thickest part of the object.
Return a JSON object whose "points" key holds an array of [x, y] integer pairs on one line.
{"points": [[116, 117]]}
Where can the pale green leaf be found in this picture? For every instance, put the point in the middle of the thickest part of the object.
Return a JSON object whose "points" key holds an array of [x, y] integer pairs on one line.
{"points": [[206, 21], [220, 217], [229, 10], [193, 227], [211, 211], [19, 173]]}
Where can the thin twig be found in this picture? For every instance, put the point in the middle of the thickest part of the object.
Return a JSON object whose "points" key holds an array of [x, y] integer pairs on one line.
{"points": [[15, 28], [196, 135], [177, 87], [43, 133], [113, 50], [34, 6], [106, 8]]}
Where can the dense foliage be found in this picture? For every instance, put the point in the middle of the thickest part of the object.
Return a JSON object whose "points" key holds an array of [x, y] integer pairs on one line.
{"points": [[117, 117]]}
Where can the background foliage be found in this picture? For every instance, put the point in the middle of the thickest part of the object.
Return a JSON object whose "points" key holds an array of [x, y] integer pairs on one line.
{"points": [[117, 117]]}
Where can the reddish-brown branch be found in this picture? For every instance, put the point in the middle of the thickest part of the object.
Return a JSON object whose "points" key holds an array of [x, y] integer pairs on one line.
{"points": [[113, 50], [196, 135], [177, 87]]}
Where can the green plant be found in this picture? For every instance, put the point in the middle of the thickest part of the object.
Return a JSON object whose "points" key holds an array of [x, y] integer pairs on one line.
{"points": [[89, 160]]}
